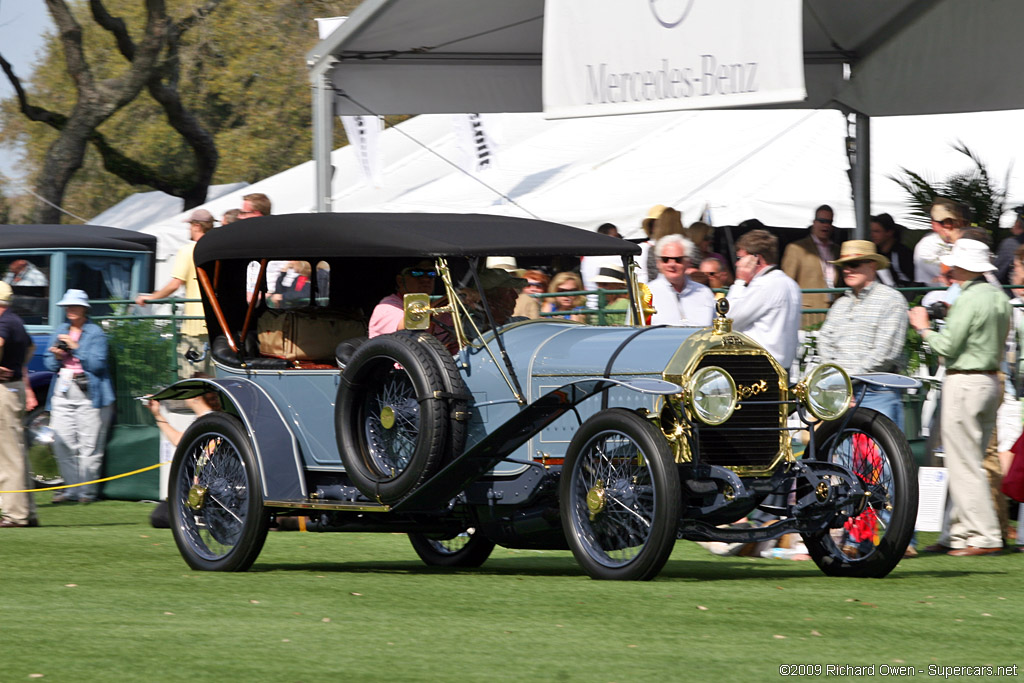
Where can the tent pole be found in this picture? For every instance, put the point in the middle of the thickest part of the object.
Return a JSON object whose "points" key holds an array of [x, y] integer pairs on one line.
{"points": [[323, 134], [862, 177]]}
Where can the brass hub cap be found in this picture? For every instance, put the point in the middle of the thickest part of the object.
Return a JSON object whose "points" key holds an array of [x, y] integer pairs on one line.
{"points": [[596, 499], [822, 491], [387, 417], [196, 497]]}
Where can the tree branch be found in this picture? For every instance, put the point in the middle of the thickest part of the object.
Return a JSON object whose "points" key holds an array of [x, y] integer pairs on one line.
{"points": [[116, 26], [31, 112], [70, 33]]}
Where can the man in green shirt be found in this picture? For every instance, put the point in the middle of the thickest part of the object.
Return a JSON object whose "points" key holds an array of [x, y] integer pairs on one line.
{"points": [[972, 343]]}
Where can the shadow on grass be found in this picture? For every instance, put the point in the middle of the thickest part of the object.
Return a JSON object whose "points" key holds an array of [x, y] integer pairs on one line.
{"points": [[677, 570]]}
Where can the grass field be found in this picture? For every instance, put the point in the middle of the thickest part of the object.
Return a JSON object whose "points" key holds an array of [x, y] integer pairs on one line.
{"points": [[96, 594]]}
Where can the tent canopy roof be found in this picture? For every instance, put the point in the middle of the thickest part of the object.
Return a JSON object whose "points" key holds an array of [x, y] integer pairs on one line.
{"points": [[450, 56], [369, 235]]}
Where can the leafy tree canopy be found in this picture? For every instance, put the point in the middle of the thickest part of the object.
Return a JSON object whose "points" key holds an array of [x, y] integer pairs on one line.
{"points": [[242, 73]]}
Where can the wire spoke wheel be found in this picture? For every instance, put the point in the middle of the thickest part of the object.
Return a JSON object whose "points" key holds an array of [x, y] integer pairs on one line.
{"points": [[874, 536], [615, 499], [620, 497], [392, 423], [466, 549], [218, 519]]}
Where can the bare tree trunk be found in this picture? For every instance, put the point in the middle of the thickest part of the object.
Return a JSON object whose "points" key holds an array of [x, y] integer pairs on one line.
{"points": [[96, 101]]}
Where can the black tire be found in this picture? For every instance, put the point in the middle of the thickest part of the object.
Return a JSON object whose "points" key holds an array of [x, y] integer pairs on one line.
{"points": [[400, 413], [224, 527], [468, 549], [620, 497], [873, 542]]}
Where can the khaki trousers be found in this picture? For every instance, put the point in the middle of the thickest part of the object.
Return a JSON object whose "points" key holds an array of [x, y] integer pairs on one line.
{"points": [[969, 404], [17, 507]]}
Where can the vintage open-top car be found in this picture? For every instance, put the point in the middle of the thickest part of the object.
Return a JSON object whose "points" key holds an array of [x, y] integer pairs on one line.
{"points": [[547, 433]]}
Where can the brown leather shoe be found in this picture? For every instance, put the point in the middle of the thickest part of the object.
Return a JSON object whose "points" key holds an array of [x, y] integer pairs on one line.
{"points": [[971, 551], [911, 551], [936, 548]]}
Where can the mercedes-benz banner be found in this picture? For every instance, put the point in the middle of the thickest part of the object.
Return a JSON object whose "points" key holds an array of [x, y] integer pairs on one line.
{"points": [[606, 57]]}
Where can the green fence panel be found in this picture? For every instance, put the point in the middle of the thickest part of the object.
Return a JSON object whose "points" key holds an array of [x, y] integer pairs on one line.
{"points": [[132, 447], [143, 359]]}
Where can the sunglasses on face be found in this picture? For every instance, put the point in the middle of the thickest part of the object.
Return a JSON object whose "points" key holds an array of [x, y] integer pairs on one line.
{"points": [[534, 284], [571, 289], [418, 272], [851, 265], [826, 221], [672, 259]]}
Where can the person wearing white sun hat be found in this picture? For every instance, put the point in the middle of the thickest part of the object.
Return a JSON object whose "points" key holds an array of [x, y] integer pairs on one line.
{"points": [[972, 342], [81, 397]]}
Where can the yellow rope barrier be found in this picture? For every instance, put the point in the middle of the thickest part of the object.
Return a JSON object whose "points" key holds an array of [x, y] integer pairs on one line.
{"points": [[94, 481]]}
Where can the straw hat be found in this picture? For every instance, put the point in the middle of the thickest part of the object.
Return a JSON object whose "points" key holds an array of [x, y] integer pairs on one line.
{"points": [[860, 250]]}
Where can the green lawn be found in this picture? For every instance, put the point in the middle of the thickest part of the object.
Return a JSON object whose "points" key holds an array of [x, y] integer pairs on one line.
{"points": [[96, 594]]}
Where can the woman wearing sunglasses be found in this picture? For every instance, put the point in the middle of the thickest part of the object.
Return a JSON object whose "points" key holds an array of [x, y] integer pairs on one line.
{"points": [[565, 305]]}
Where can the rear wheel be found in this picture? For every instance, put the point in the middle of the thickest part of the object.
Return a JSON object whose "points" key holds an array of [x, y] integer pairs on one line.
{"points": [[216, 504], [468, 549], [620, 497], [871, 543]]}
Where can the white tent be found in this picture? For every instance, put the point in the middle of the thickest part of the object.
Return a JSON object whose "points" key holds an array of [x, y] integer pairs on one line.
{"points": [[775, 166], [144, 208]]}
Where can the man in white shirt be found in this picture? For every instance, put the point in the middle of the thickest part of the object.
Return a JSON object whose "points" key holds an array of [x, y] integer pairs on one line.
{"points": [[932, 247], [678, 300], [764, 302]]}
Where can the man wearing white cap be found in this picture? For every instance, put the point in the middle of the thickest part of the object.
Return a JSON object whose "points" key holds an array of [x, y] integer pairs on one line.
{"points": [[193, 332], [972, 343]]}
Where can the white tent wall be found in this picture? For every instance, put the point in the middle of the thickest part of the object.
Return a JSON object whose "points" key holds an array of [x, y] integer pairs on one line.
{"points": [[142, 209]]}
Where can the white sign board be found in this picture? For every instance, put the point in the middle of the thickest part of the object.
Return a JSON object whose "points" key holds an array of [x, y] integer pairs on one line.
{"points": [[933, 484], [605, 57]]}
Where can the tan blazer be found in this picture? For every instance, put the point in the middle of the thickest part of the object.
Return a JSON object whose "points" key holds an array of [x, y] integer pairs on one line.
{"points": [[801, 262]]}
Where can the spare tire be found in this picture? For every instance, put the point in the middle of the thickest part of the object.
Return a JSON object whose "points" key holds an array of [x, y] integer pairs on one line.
{"points": [[400, 414]]}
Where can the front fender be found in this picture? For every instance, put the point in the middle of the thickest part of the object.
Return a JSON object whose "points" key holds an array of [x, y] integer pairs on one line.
{"points": [[273, 441]]}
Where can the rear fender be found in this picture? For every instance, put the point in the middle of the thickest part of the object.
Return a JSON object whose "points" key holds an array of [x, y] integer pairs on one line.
{"points": [[273, 441]]}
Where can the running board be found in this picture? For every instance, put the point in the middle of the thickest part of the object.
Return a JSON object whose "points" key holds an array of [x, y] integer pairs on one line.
{"points": [[340, 505]]}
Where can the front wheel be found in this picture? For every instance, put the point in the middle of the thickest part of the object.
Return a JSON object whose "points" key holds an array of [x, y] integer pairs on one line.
{"points": [[216, 504], [871, 543], [468, 549], [620, 497]]}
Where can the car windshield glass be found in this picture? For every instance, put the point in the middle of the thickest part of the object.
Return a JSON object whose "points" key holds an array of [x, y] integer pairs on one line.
{"points": [[29, 278], [102, 277]]}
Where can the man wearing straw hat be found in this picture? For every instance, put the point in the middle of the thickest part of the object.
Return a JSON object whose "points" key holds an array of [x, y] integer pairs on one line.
{"points": [[972, 342], [866, 328]]}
